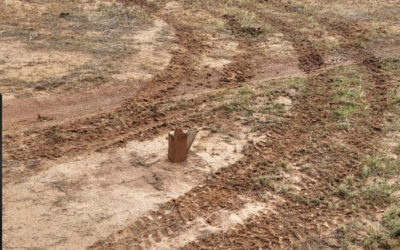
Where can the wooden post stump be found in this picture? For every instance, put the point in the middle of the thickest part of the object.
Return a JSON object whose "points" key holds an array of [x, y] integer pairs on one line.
{"points": [[179, 144]]}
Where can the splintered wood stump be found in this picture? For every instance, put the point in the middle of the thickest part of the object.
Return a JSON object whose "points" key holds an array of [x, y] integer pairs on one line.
{"points": [[179, 144]]}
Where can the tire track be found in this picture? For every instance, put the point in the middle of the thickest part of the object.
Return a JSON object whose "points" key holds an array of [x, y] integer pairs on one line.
{"points": [[308, 56], [138, 117], [348, 32], [293, 219], [264, 232]]}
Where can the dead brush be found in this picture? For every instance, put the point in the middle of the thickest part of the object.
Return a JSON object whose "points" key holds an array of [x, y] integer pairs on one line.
{"points": [[263, 181], [246, 21], [55, 135]]}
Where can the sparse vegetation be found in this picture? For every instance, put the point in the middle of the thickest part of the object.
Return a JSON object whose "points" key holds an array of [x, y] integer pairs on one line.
{"points": [[397, 149], [375, 239], [392, 221], [241, 101], [344, 190], [264, 181], [382, 166], [348, 98], [392, 65], [298, 198], [379, 192], [55, 135]]}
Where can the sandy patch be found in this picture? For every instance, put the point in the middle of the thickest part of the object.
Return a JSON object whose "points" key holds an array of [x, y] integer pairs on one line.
{"points": [[20, 7], [154, 46], [214, 63], [172, 6], [280, 58], [21, 64], [222, 53], [222, 222], [74, 204], [285, 101], [275, 47], [390, 142]]}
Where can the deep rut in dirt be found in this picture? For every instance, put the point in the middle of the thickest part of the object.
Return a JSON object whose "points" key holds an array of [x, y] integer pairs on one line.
{"points": [[308, 56]]}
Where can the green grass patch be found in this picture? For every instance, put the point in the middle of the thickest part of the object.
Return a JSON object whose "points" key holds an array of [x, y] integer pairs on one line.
{"points": [[379, 192], [376, 239], [381, 166], [392, 65], [241, 101], [275, 108], [344, 189], [347, 98], [391, 220]]}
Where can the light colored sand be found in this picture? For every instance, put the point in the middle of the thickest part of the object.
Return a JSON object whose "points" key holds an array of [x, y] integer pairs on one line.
{"points": [[74, 204]]}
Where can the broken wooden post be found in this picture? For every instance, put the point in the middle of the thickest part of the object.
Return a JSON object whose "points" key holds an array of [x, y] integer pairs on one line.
{"points": [[179, 144]]}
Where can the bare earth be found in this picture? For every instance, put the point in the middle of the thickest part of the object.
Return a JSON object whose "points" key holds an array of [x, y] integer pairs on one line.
{"points": [[297, 104]]}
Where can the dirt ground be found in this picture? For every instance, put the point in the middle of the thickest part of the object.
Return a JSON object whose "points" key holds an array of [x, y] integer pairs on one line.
{"points": [[297, 104]]}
